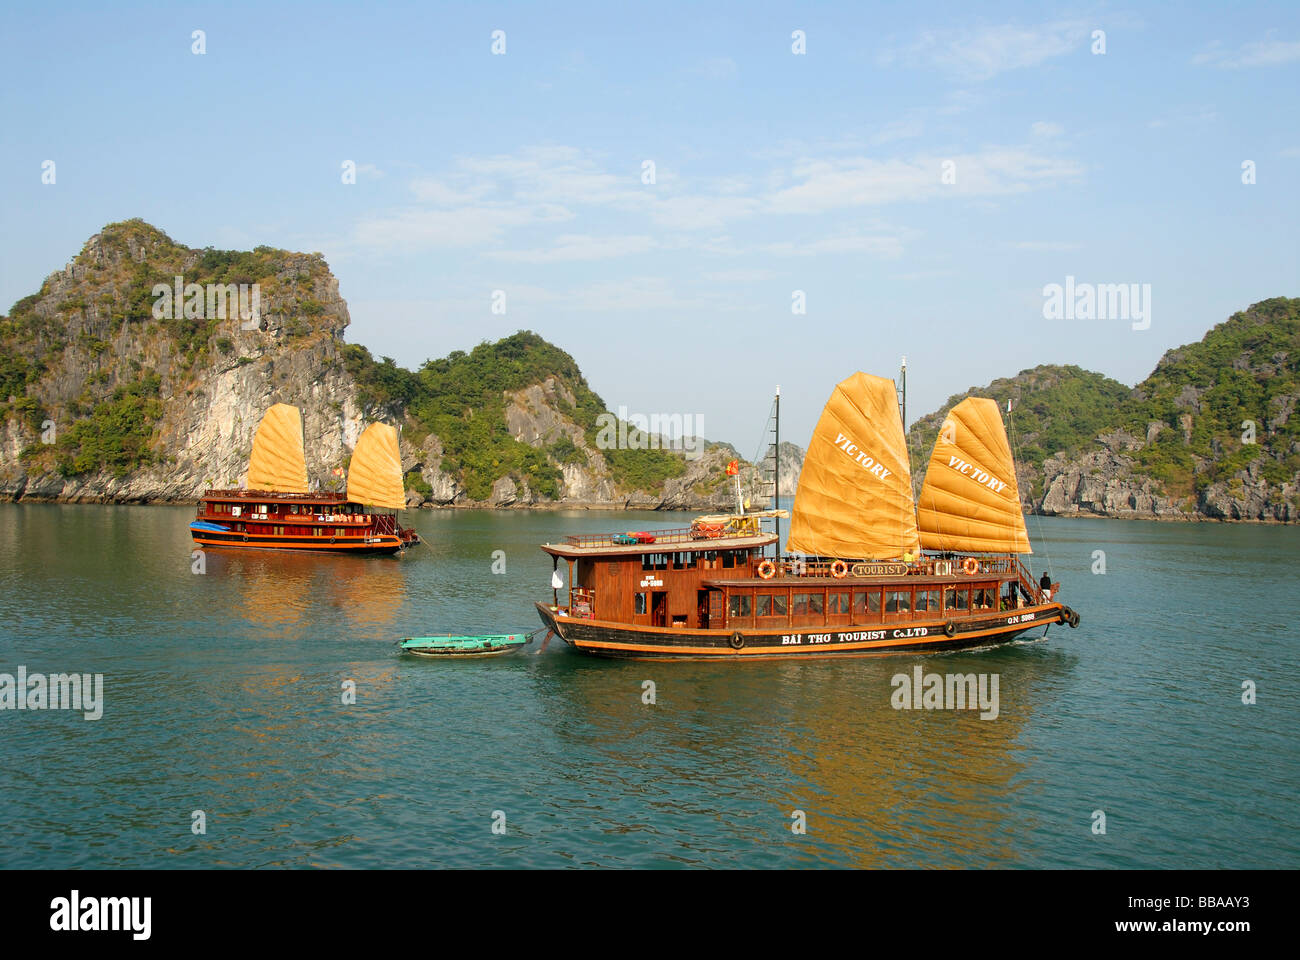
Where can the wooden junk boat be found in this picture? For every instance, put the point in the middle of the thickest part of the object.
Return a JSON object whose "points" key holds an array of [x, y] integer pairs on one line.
{"points": [[279, 512], [871, 571]]}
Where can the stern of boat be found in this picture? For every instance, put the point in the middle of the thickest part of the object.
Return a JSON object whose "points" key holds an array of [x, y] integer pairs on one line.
{"points": [[550, 617]]}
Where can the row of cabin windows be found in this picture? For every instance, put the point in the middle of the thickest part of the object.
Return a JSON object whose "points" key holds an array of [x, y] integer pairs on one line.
{"points": [[689, 559], [860, 604], [293, 508]]}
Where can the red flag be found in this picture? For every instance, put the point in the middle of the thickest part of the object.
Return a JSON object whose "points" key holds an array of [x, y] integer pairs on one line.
{"points": [[733, 468]]}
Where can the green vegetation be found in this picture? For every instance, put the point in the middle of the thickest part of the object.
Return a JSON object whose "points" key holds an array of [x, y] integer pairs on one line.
{"points": [[1054, 409], [380, 384], [413, 481], [461, 398], [116, 434], [1201, 399], [1243, 370], [238, 266], [565, 450]]}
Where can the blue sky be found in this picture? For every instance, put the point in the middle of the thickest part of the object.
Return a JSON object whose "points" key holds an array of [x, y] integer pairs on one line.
{"points": [[774, 172]]}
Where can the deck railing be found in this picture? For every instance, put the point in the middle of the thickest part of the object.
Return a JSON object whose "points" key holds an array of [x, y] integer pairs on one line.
{"points": [[646, 537], [332, 495], [926, 566], [702, 530]]}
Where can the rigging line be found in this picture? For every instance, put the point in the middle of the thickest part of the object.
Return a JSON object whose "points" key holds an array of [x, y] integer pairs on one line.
{"points": [[767, 429], [1038, 520]]}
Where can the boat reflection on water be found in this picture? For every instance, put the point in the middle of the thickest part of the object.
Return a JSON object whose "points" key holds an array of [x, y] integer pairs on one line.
{"points": [[878, 786], [293, 596]]}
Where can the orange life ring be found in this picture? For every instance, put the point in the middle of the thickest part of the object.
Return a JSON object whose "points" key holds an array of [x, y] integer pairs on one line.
{"points": [[767, 569], [839, 569], [970, 566]]}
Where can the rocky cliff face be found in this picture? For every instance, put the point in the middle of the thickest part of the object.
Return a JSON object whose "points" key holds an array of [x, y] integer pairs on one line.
{"points": [[1208, 435], [212, 394], [105, 396]]}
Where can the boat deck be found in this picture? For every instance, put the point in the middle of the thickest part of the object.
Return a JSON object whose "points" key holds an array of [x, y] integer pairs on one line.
{"points": [[604, 546]]}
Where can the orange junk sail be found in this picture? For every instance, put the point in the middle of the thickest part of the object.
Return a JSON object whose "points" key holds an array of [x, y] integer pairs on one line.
{"points": [[854, 499], [970, 501], [277, 463], [375, 476]]}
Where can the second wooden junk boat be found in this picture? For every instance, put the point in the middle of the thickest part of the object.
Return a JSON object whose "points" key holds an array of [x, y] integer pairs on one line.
{"points": [[278, 510], [871, 570]]}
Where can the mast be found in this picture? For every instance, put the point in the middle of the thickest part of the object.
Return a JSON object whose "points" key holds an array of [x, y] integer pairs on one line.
{"points": [[902, 409], [776, 472]]}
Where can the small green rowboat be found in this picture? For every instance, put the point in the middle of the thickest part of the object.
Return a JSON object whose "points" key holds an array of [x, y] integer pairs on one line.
{"points": [[495, 645]]}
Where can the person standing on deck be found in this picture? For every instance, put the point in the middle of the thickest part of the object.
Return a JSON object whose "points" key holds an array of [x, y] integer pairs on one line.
{"points": [[1045, 584]]}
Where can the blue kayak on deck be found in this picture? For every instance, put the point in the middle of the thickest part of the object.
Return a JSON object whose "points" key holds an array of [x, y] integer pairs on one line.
{"points": [[209, 527]]}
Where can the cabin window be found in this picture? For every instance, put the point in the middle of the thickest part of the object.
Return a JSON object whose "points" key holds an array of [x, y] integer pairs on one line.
{"points": [[772, 605], [865, 602], [640, 604], [955, 599], [983, 598], [927, 600], [806, 604], [898, 601], [279, 531], [728, 559], [684, 560], [740, 605], [654, 561], [837, 602]]}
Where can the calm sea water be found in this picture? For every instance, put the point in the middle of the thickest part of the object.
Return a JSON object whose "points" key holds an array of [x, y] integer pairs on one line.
{"points": [[223, 694]]}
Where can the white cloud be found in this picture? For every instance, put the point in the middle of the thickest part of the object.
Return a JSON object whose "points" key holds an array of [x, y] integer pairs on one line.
{"points": [[879, 246], [459, 227], [985, 52], [437, 192], [482, 201], [863, 181], [1045, 246], [1260, 53], [1046, 130], [739, 275], [701, 212], [574, 247], [716, 68], [897, 130], [1188, 116]]}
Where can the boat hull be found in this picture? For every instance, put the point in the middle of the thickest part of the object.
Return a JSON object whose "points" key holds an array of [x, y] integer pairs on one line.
{"points": [[378, 544], [456, 648], [623, 641]]}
